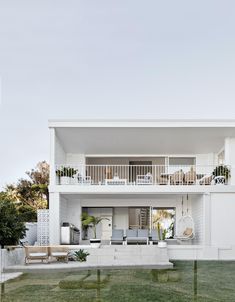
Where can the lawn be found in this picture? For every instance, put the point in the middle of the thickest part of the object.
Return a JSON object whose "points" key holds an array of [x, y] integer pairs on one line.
{"points": [[188, 281]]}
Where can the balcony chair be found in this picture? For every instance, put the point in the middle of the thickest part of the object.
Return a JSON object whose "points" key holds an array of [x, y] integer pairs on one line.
{"points": [[177, 178], [206, 179], [190, 177], [117, 236]]}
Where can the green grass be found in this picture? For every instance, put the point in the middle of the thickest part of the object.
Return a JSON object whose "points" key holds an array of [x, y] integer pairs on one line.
{"points": [[213, 281]]}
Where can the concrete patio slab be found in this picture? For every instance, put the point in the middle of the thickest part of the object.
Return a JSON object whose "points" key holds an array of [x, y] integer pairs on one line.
{"points": [[8, 276]]}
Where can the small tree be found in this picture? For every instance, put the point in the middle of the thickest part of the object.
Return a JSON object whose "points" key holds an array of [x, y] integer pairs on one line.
{"points": [[92, 222], [27, 213], [40, 180], [11, 226]]}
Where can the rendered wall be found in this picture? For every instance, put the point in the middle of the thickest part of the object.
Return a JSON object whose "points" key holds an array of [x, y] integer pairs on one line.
{"points": [[198, 218], [60, 155], [222, 219]]}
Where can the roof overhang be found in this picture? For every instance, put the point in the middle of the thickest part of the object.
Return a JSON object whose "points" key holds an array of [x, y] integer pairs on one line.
{"points": [[143, 137], [143, 123]]}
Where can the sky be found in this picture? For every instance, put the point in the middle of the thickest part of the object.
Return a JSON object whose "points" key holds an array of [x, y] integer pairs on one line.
{"points": [[108, 59]]}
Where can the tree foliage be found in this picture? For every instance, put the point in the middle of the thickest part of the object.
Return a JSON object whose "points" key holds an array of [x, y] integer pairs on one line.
{"points": [[12, 228], [32, 192], [27, 213]]}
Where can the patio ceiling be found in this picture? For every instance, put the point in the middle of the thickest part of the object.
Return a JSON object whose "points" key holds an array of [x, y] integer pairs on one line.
{"points": [[138, 196], [143, 140]]}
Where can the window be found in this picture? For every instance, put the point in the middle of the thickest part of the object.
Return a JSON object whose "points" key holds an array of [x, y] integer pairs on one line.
{"points": [[165, 219]]}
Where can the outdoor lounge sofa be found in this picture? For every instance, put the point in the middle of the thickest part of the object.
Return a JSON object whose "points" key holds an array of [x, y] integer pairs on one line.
{"points": [[117, 236], [36, 253], [146, 179], [137, 236], [45, 253], [154, 236], [59, 252]]}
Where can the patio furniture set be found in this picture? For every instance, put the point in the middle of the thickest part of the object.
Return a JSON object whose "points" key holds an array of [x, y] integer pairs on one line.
{"points": [[134, 236], [46, 253], [177, 178], [191, 178]]}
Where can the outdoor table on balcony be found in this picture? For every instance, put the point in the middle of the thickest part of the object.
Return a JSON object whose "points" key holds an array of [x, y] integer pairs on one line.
{"points": [[115, 181]]}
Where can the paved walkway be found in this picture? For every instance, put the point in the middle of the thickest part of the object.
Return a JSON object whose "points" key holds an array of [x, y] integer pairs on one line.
{"points": [[7, 276], [35, 267]]}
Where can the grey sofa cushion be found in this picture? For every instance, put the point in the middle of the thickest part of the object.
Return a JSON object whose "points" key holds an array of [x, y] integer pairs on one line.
{"points": [[131, 233], [143, 233], [117, 234], [154, 235]]}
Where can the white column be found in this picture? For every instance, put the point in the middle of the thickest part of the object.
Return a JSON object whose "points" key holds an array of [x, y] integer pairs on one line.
{"points": [[52, 157], [54, 223], [229, 156], [207, 219]]}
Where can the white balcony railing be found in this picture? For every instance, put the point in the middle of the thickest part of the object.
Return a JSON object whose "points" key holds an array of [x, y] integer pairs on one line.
{"points": [[141, 175]]}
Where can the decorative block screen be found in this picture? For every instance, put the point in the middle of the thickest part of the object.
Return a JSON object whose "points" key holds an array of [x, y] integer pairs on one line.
{"points": [[43, 227]]}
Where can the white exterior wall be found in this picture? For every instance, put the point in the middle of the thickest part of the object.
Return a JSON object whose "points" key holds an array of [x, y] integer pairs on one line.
{"points": [[63, 210], [74, 213], [222, 219], [55, 216], [198, 218], [206, 161], [229, 156], [31, 233], [120, 218], [60, 155], [75, 159]]}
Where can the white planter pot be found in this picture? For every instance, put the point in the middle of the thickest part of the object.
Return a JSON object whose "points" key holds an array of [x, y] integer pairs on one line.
{"points": [[220, 180], [162, 244], [74, 181], [95, 243], [65, 180]]}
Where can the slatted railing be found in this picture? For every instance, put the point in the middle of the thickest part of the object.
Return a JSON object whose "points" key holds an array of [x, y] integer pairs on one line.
{"points": [[142, 175]]}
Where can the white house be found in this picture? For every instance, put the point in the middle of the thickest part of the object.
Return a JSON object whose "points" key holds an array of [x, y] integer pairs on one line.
{"points": [[128, 170]]}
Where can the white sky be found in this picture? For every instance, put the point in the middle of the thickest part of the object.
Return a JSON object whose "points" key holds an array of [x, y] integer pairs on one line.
{"points": [[109, 59]]}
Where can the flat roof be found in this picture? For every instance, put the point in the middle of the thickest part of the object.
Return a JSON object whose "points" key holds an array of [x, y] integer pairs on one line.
{"points": [[141, 123]]}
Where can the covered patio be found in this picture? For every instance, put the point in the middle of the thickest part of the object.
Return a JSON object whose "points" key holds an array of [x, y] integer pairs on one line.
{"points": [[126, 212]]}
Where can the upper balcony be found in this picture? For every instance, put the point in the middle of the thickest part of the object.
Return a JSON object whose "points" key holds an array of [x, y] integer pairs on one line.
{"points": [[141, 175], [135, 154]]}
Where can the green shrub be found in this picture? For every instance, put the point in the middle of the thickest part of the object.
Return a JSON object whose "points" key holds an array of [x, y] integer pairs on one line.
{"points": [[80, 255], [12, 227], [222, 171], [66, 171]]}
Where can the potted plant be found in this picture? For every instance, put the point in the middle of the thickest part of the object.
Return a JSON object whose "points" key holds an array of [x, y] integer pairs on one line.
{"points": [[65, 175], [162, 235], [92, 222], [223, 172]]}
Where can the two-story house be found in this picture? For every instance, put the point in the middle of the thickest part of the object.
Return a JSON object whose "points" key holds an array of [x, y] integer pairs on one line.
{"points": [[134, 171]]}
